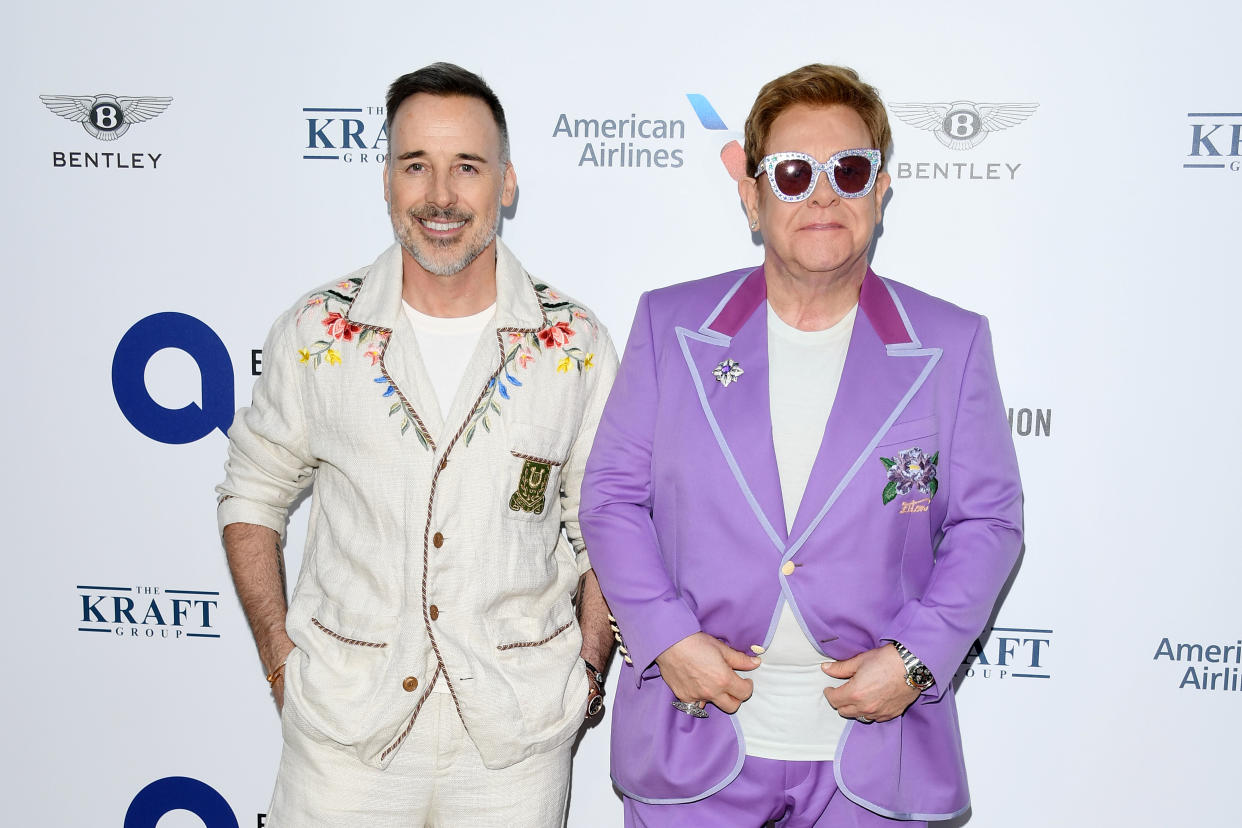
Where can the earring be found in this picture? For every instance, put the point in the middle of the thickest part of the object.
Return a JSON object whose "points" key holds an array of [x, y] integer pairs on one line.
{"points": [[754, 225]]}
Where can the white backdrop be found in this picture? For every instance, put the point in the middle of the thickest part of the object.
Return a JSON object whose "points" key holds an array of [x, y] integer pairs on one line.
{"points": [[1108, 268]]}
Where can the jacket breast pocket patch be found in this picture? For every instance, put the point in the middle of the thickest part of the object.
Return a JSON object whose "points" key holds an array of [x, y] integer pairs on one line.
{"points": [[532, 488], [534, 472], [910, 454], [910, 469]]}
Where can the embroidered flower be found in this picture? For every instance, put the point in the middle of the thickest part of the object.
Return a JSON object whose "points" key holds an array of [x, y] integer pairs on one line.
{"points": [[523, 349], [910, 469], [340, 328], [376, 349], [556, 336], [333, 304]]}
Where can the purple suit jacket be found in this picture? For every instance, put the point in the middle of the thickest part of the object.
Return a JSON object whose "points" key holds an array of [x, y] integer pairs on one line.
{"points": [[682, 513]]}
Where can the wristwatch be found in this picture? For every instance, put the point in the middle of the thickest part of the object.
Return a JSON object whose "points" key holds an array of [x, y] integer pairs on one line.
{"points": [[918, 676], [595, 698]]}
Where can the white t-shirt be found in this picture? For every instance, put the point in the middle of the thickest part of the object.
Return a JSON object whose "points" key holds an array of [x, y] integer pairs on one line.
{"points": [[447, 343], [788, 717]]}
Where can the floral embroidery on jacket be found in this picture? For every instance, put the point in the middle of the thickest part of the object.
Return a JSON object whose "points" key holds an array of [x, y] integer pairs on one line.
{"points": [[335, 302], [525, 347], [910, 469]]}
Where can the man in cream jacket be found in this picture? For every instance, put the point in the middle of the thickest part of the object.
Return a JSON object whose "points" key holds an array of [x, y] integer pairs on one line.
{"points": [[431, 665]]}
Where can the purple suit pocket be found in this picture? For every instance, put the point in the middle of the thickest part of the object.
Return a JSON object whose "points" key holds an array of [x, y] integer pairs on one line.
{"points": [[662, 755]]}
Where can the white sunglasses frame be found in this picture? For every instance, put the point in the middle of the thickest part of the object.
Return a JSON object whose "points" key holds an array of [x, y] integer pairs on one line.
{"points": [[768, 165]]}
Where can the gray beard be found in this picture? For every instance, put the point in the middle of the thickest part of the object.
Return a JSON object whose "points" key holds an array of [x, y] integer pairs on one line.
{"points": [[404, 238]]}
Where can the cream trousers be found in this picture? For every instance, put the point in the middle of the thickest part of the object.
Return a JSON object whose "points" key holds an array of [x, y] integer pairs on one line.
{"points": [[436, 780]]}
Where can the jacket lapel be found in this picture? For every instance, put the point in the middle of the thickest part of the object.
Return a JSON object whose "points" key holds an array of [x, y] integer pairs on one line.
{"points": [[518, 312], [738, 413], [378, 306], [403, 361], [885, 366]]}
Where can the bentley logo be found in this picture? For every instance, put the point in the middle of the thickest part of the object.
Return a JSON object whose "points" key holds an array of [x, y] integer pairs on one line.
{"points": [[962, 125], [106, 117]]}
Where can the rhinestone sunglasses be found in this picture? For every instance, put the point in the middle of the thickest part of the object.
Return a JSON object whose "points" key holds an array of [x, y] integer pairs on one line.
{"points": [[793, 175]]}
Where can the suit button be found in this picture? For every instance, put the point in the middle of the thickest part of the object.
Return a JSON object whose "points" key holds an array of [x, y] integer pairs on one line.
{"points": [[437, 540], [434, 611], [757, 649], [787, 568], [444, 464], [410, 684]]}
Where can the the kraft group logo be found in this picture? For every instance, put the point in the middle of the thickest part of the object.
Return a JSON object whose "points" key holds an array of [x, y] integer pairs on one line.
{"points": [[1211, 666], [106, 117], [1215, 141], [961, 126], [1003, 653], [146, 613], [346, 135], [192, 421]]}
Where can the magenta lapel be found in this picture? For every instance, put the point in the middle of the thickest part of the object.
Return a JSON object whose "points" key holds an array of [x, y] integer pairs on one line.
{"points": [[738, 413], [884, 367]]}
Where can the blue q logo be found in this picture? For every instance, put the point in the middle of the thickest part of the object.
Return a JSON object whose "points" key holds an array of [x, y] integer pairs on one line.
{"points": [[168, 425], [179, 793]]}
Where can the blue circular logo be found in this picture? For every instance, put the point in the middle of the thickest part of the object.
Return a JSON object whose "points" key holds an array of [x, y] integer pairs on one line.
{"points": [[179, 793], [144, 340]]}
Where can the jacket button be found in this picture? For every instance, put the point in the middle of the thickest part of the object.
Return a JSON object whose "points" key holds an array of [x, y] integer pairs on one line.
{"points": [[410, 684], [787, 568], [757, 649], [443, 464], [437, 540], [434, 611]]}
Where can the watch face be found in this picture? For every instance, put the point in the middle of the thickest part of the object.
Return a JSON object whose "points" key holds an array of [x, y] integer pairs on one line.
{"points": [[922, 676], [595, 706]]}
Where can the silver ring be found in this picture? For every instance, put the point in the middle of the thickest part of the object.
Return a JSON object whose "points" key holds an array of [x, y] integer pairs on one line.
{"points": [[865, 720], [690, 709]]}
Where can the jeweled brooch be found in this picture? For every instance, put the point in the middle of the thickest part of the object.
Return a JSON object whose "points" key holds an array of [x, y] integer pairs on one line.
{"points": [[727, 371]]}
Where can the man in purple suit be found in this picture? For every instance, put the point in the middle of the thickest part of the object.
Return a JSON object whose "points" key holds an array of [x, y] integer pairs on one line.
{"points": [[801, 504]]}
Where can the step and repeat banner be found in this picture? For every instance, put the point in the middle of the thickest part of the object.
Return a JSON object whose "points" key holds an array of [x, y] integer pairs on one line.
{"points": [[177, 174]]}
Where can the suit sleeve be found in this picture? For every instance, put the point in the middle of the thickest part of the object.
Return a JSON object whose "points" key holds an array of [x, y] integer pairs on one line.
{"points": [[982, 532], [603, 372], [616, 510], [269, 461]]}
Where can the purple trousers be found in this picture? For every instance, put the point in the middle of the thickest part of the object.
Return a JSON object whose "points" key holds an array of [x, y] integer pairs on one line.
{"points": [[791, 794]]}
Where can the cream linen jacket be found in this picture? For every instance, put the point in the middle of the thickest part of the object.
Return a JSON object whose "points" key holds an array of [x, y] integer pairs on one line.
{"points": [[435, 548]]}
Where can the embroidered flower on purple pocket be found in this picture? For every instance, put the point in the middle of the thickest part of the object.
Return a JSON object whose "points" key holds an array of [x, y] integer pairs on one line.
{"points": [[910, 469]]}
